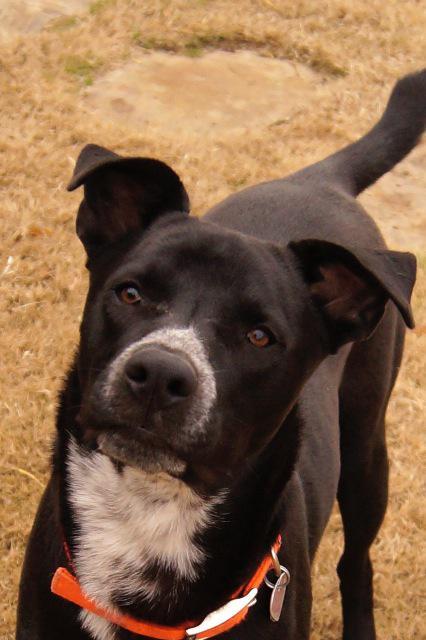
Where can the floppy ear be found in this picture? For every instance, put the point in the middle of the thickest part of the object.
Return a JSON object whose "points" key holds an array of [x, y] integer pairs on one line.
{"points": [[122, 195], [351, 286]]}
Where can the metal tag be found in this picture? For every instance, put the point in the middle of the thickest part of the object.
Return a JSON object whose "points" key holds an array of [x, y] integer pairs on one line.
{"points": [[278, 594]]}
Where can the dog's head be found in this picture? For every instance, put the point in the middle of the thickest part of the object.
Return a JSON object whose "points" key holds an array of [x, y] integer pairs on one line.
{"points": [[196, 340]]}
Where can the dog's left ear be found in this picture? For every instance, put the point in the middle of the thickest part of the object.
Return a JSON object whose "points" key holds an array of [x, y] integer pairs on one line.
{"points": [[352, 285], [122, 195]]}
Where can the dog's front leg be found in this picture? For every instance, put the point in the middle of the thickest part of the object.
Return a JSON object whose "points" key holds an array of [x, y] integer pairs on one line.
{"points": [[41, 615]]}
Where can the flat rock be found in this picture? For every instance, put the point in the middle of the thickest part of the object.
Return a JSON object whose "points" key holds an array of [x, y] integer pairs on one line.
{"points": [[216, 91], [27, 16]]}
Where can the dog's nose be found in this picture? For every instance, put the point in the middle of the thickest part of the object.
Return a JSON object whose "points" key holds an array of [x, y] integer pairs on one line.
{"points": [[160, 377]]}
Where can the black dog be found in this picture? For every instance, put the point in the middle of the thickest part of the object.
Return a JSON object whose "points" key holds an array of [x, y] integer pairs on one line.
{"points": [[232, 379]]}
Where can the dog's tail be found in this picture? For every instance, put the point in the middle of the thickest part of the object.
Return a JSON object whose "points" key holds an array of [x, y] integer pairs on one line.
{"points": [[360, 164]]}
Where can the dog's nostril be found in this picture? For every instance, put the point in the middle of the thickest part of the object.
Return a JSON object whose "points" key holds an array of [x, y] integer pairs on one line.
{"points": [[179, 387], [136, 373]]}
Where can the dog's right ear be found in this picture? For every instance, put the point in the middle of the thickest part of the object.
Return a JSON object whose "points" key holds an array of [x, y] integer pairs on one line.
{"points": [[351, 286], [122, 195]]}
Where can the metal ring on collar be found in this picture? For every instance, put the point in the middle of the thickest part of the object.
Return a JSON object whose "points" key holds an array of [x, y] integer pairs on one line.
{"points": [[283, 570]]}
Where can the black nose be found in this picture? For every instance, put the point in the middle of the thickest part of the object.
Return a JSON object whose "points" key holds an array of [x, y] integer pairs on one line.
{"points": [[159, 377]]}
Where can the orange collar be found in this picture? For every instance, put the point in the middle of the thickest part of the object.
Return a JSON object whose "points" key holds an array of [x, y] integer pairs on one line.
{"points": [[65, 585]]}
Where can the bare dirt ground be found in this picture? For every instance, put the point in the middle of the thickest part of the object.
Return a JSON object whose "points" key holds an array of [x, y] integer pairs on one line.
{"points": [[28, 16], [229, 94]]}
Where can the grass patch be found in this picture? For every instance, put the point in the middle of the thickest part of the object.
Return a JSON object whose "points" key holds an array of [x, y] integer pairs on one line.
{"points": [[318, 60], [100, 5], [153, 43], [82, 68], [421, 261], [197, 44], [64, 22], [193, 49]]}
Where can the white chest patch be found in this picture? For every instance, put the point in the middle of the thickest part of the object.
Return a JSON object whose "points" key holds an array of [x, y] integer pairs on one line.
{"points": [[126, 521], [97, 627]]}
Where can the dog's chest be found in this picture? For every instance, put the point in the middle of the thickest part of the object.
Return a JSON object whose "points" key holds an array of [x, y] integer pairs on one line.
{"points": [[129, 522]]}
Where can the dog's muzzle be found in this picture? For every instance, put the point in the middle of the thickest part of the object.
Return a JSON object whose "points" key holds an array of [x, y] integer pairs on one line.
{"points": [[158, 392]]}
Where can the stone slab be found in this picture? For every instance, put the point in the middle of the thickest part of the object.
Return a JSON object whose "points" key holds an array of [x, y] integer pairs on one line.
{"points": [[216, 91], [28, 16]]}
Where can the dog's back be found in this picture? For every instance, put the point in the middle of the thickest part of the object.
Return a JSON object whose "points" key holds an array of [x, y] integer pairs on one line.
{"points": [[318, 201]]}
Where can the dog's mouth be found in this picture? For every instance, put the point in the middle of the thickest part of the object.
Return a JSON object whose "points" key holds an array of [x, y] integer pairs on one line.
{"points": [[142, 450]]}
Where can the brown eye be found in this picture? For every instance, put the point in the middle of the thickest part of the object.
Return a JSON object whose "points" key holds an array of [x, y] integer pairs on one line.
{"points": [[129, 294], [260, 337]]}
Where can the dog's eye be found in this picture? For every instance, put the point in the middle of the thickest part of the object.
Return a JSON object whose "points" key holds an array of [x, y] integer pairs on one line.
{"points": [[261, 337], [128, 293]]}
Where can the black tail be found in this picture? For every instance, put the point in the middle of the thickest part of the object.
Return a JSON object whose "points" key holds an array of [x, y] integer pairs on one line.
{"points": [[360, 164]]}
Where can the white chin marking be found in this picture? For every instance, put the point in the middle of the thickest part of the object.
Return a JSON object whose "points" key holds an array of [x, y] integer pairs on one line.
{"points": [[125, 522], [181, 340]]}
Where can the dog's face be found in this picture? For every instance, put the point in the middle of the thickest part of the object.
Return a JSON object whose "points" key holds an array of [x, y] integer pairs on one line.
{"points": [[188, 338], [195, 340]]}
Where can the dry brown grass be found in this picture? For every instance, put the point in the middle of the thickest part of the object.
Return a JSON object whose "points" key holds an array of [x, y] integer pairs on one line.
{"points": [[362, 46]]}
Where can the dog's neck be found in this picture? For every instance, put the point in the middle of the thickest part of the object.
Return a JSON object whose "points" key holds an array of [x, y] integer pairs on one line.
{"points": [[135, 521], [151, 546], [135, 530]]}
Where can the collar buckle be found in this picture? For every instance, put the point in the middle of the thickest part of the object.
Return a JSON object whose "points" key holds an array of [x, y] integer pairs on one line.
{"points": [[225, 616]]}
